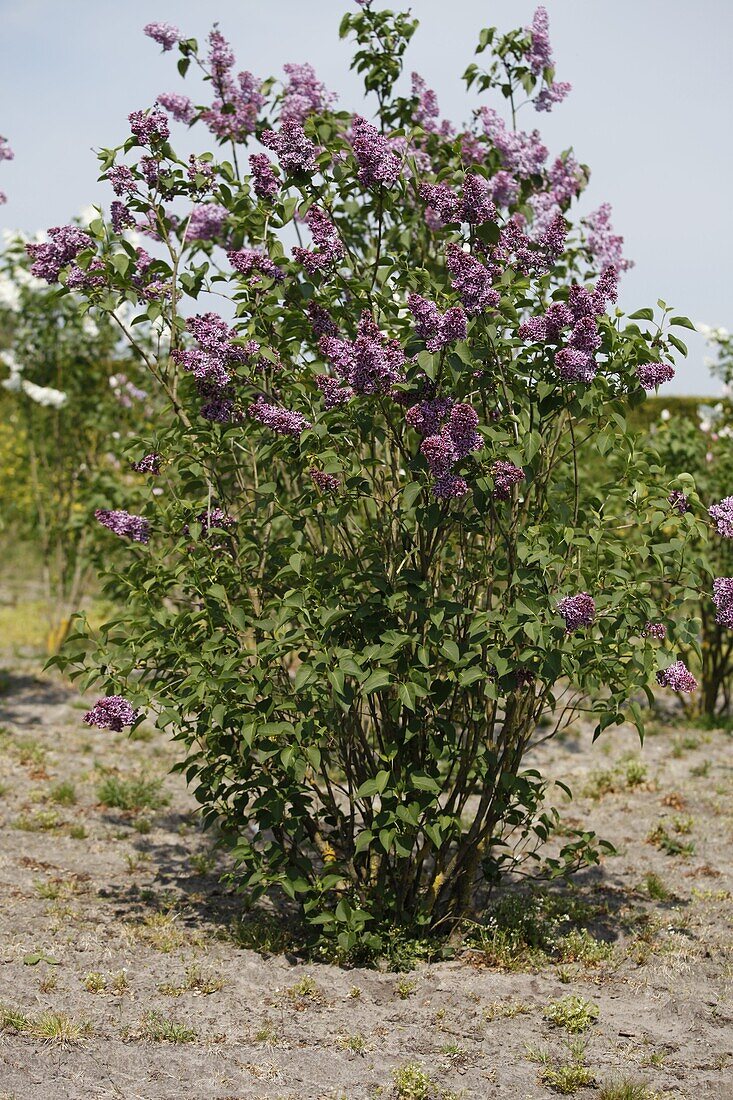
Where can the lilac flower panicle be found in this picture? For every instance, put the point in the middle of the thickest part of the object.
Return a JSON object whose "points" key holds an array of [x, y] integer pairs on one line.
{"points": [[122, 180], [265, 182], [372, 363], [652, 375], [604, 245], [327, 483], [471, 280], [321, 321], [111, 713], [149, 464], [66, 242], [435, 328], [215, 517], [427, 417], [234, 114], [551, 95], [6, 153], [165, 34], [450, 487], [506, 475], [329, 249], [539, 55], [654, 630], [443, 204], [439, 453], [149, 127], [577, 611], [722, 514], [377, 160], [575, 366], [206, 222], [504, 188], [294, 150], [334, 392], [304, 94], [461, 427], [253, 263], [477, 203], [679, 501], [121, 216], [678, 677], [522, 154], [220, 57], [723, 600], [278, 419], [124, 525], [178, 106]]}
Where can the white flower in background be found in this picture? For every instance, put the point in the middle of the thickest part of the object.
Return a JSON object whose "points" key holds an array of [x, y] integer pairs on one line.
{"points": [[703, 329], [9, 293], [665, 414], [89, 327], [88, 215], [709, 415], [44, 395], [14, 383], [7, 358], [24, 278]]}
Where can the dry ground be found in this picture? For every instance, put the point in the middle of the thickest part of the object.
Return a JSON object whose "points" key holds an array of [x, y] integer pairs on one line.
{"points": [[123, 971]]}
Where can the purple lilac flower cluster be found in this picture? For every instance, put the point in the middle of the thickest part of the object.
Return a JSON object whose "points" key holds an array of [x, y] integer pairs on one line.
{"points": [[253, 263], [722, 514], [372, 363], [294, 150], [329, 249], [447, 444], [234, 112], [522, 154], [211, 363], [265, 182], [427, 111], [206, 222], [435, 328], [506, 475], [678, 677], [654, 630], [304, 94], [327, 483], [539, 58], [67, 241], [679, 501], [111, 713], [378, 162], [321, 320], [577, 611], [537, 254], [603, 244], [121, 216], [178, 106], [165, 34], [217, 518], [149, 127], [122, 180], [476, 206], [652, 375], [123, 524], [471, 280], [148, 464], [278, 419], [723, 600]]}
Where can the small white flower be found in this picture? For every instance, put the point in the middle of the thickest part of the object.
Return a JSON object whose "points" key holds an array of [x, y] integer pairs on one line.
{"points": [[665, 414], [44, 395]]}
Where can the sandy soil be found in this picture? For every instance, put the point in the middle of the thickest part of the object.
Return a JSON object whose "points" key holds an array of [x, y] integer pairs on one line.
{"points": [[122, 972]]}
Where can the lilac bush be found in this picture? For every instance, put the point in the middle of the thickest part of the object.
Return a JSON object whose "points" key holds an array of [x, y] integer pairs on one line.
{"points": [[386, 354]]}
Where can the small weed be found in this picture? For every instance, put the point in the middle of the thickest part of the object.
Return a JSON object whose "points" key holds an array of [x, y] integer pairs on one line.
{"points": [[52, 1027], [700, 771], [160, 931], [405, 987], [197, 982], [305, 989], [157, 1029], [505, 1010], [29, 752], [266, 1034], [626, 1090], [661, 838], [63, 794], [581, 947], [78, 832], [655, 887], [567, 1079], [40, 821], [355, 1043], [136, 793], [412, 1083], [94, 982], [48, 890], [354, 992], [572, 1013], [541, 1055], [203, 863], [48, 984], [262, 933], [636, 774], [118, 983]]}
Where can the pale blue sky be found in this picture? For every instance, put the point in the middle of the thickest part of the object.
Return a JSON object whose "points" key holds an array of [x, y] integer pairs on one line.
{"points": [[650, 111]]}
